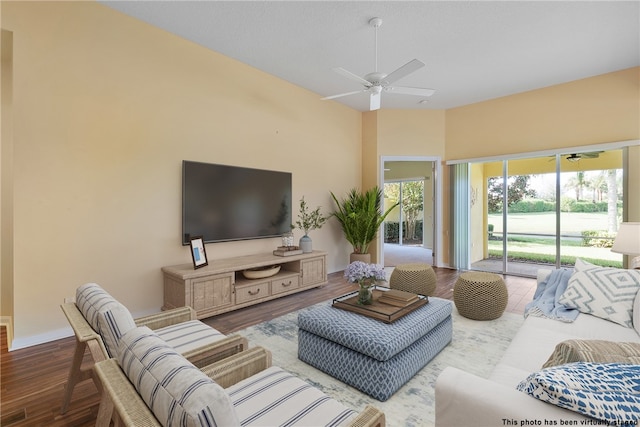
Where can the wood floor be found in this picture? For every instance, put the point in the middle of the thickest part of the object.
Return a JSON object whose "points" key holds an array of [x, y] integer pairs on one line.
{"points": [[32, 379]]}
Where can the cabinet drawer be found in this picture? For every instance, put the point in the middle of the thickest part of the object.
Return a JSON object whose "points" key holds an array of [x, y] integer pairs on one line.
{"points": [[252, 292], [284, 284]]}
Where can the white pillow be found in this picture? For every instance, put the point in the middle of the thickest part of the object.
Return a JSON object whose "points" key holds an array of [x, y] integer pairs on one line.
{"points": [[608, 293], [636, 313]]}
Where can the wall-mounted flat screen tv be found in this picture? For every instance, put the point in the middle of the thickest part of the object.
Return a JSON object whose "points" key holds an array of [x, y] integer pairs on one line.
{"points": [[223, 203]]}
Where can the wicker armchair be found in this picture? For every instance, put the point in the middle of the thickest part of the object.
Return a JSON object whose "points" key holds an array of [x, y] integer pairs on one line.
{"points": [[88, 338], [121, 401]]}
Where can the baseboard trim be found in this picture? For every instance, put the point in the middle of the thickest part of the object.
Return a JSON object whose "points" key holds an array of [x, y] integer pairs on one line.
{"points": [[20, 343], [7, 322], [24, 342]]}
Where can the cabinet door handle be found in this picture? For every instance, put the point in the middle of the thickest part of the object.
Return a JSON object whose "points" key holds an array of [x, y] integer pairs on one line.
{"points": [[257, 291], [286, 285]]}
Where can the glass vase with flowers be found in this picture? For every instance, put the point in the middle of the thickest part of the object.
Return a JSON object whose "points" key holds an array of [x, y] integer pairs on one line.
{"points": [[366, 276]]}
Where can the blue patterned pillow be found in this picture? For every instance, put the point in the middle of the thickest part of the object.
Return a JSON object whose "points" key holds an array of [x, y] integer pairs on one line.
{"points": [[608, 392], [607, 293]]}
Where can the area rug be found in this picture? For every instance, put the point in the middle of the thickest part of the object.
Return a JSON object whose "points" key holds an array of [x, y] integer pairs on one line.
{"points": [[476, 347]]}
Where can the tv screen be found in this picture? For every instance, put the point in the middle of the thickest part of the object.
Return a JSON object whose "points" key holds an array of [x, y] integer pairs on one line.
{"points": [[224, 203]]}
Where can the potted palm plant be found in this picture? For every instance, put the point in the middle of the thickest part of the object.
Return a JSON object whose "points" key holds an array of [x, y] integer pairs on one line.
{"points": [[360, 216]]}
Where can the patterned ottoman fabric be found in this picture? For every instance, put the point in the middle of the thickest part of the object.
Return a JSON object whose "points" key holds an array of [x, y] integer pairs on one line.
{"points": [[374, 357], [372, 337]]}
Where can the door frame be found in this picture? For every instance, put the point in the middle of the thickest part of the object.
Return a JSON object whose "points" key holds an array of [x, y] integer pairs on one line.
{"points": [[437, 202]]}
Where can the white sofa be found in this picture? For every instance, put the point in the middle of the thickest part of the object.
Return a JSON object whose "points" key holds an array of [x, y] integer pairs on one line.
{"points": [[464, 399]]}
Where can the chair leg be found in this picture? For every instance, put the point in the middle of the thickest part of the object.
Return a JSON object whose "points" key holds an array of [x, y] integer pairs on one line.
{"points": [[105, 412], [75, 374]]}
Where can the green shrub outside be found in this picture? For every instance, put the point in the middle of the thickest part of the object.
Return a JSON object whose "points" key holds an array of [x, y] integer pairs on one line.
{"points": [[532, 205], [567, 204], [391, 231], [598, 238]]}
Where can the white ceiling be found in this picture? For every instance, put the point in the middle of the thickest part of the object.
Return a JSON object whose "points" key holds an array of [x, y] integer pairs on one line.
{"points": [[473, 50]]}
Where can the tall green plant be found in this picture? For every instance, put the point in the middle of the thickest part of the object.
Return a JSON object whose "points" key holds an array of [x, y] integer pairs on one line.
{"points": [[360, 215]]}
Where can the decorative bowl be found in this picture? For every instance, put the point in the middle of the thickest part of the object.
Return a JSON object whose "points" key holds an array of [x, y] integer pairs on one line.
{"points": [[261, 272]]}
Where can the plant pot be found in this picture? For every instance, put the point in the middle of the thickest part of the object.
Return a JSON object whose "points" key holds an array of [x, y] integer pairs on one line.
{"points": [[306, 244], [360, 257]]}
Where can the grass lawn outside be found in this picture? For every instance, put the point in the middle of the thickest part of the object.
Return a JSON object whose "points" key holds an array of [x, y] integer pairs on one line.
{"points": [[535, 248], [571, 223]]}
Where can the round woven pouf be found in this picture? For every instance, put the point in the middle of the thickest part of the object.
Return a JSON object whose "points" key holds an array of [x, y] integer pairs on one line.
{"points": [[417, 278], [480, 296]]}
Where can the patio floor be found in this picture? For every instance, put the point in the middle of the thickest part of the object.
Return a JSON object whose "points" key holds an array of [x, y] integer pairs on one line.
{"points": [[521, 283]]}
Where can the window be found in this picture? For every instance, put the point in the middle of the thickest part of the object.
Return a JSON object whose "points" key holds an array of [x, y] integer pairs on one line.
{"points": [[542, 211]]}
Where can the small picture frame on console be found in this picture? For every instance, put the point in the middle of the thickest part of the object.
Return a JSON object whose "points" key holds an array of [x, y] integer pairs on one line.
{"points": [[198, 253]]}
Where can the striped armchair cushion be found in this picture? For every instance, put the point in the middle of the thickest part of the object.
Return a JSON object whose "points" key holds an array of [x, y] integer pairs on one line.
{"points": [[190, 335], [177, 392], [275, 397], [90, 300], [105, 315]]}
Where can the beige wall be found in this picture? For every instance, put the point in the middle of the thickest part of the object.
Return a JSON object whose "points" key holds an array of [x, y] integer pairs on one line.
{"points": [[596, 110], [592, 111], [105, 110], [586, 112], [6, 183], [418, 133], [633, 177]]}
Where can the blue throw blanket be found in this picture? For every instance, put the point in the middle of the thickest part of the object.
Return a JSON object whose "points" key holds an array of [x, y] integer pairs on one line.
{"points": [[545, 300]]}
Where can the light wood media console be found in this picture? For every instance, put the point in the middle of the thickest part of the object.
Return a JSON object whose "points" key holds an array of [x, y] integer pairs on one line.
{"points": [[220, 286]]}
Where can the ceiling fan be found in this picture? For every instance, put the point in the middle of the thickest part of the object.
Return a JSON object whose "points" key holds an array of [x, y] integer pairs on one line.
{"points": [[575, 157], [375, 83]]}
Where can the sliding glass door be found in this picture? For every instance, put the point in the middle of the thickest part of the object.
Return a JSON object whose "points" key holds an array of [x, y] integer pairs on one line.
{"points": [[590, 206], [409, 228], [545, 211]]}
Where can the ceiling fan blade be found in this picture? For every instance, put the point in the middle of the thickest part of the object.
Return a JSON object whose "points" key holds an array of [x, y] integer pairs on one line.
{"points": [[351, 76], [374, 101], [405, 70], [340, 95], [418, 91], [592, 155]]}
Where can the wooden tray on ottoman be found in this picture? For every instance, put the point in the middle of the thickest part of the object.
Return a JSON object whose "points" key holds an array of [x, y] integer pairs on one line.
{"points": [[378, 310]]}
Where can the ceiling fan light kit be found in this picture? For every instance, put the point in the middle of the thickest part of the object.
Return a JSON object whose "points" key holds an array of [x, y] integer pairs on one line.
{"points": [[376, 82]]}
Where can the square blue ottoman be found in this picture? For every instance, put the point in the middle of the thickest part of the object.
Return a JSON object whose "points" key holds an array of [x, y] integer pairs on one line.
{"points": [[372, 356]]}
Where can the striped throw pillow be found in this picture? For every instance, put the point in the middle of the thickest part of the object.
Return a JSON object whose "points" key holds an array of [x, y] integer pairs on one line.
{"points": [[598, 351]]}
